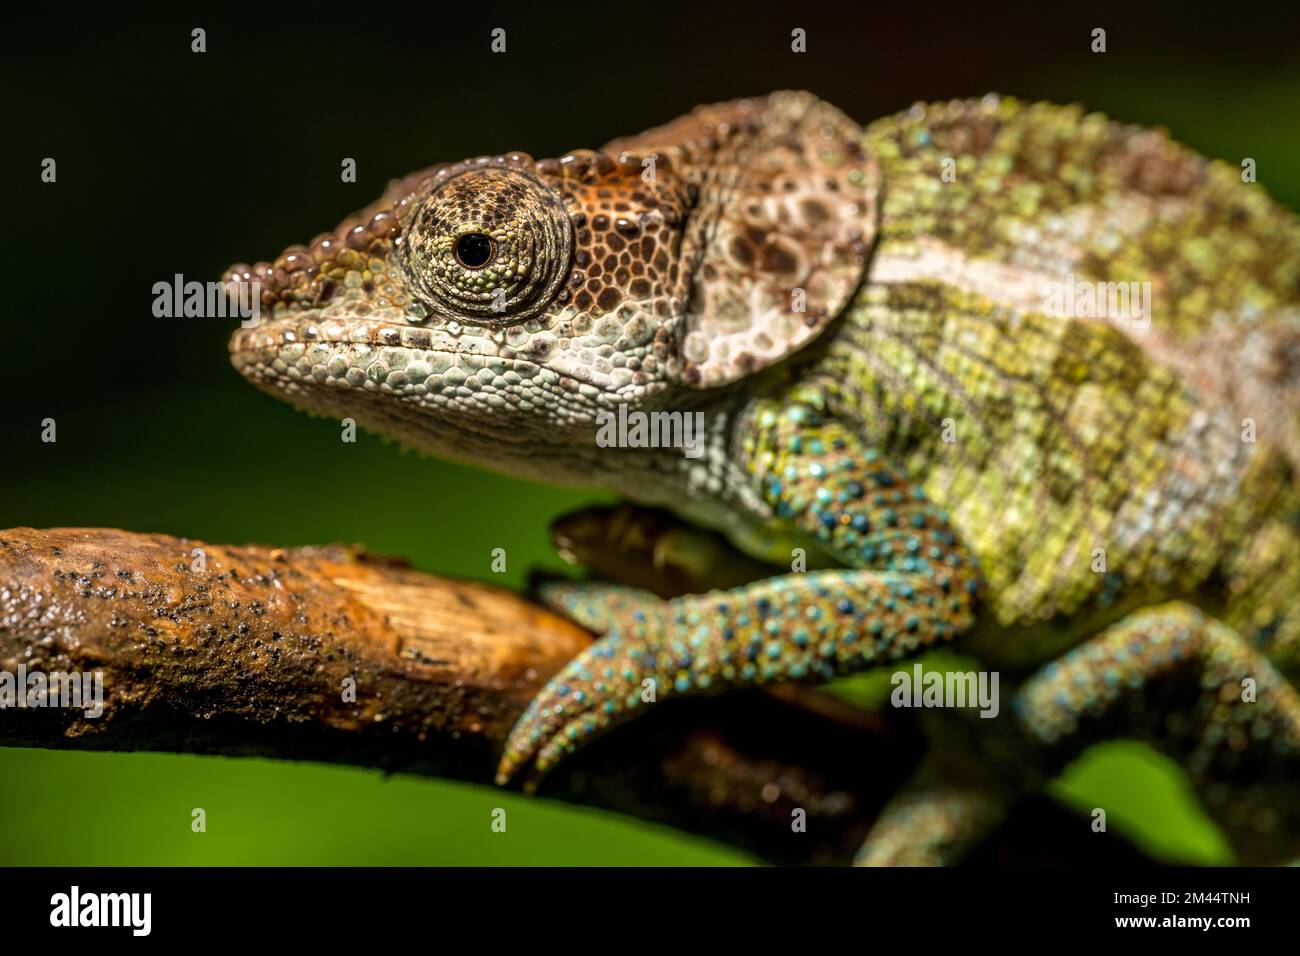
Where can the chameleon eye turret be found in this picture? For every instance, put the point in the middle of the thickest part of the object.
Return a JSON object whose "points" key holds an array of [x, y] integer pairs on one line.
{"points": [[488, 241]]}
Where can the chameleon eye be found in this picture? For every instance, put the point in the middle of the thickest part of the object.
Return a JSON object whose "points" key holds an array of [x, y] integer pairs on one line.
{"points": [[487, 241], [474, 250]]}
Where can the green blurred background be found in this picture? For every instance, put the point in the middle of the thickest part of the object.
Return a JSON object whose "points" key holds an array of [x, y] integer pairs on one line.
{"points": [[173, 162]]}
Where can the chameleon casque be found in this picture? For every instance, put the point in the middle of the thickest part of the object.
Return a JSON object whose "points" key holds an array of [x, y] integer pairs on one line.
{"points": [[1106, 510]]}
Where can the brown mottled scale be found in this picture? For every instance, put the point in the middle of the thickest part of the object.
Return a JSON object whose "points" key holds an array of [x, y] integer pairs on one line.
{"points": [[788, 201]]}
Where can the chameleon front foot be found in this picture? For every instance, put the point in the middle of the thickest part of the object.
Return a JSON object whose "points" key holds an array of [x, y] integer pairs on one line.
{"points": [[806, 627], [601, 683]]}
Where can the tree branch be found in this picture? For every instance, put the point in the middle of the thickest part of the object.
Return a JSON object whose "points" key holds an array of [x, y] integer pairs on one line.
{"points": [[249, 650]]}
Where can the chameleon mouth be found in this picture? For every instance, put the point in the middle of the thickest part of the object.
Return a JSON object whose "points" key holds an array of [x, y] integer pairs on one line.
{"points": [[310, 328], [364, 353], [427, 388], [426, 415]]}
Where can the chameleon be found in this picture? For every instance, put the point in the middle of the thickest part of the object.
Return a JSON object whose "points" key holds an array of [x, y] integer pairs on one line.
{"points": [[914, 373]]}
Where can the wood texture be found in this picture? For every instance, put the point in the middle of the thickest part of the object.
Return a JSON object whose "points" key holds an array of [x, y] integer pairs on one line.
{"points": [[249, 650]]}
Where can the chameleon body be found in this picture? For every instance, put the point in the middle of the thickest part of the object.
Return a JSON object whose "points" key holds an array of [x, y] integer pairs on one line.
{"points": [[883, 330]]}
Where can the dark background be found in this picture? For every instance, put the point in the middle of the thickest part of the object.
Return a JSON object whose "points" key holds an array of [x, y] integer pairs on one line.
{"points": [[170, 161]]}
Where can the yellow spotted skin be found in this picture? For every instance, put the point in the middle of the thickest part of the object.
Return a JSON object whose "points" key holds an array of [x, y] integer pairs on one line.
{"points": [[1066, 464], [1047, 186], [1009, 375]]}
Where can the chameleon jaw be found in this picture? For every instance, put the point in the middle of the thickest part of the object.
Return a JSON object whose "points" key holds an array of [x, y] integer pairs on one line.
{"points": [[414, 386]]}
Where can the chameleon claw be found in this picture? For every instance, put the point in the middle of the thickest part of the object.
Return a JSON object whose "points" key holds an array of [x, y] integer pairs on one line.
{"points": [[591, 693], [543, 737]]}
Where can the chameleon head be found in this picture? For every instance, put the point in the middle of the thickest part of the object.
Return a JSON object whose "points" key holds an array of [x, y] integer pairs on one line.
{"points": [[490, 310]]}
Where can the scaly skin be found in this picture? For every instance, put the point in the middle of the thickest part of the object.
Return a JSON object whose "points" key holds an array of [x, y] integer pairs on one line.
{"points": [[884, 384]]}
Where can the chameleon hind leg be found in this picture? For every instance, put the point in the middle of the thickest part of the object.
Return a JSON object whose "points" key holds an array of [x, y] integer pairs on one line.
{"points": [[935, 819], [909, 584], [652, 550], [1193, 688], [972, 775]]}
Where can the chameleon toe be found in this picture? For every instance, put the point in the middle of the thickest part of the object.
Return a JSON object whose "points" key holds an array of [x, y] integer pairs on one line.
{"points": [[586, 697]]}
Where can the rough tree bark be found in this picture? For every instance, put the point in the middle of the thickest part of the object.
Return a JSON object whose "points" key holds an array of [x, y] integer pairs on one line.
{"points": [[245, 651]]}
